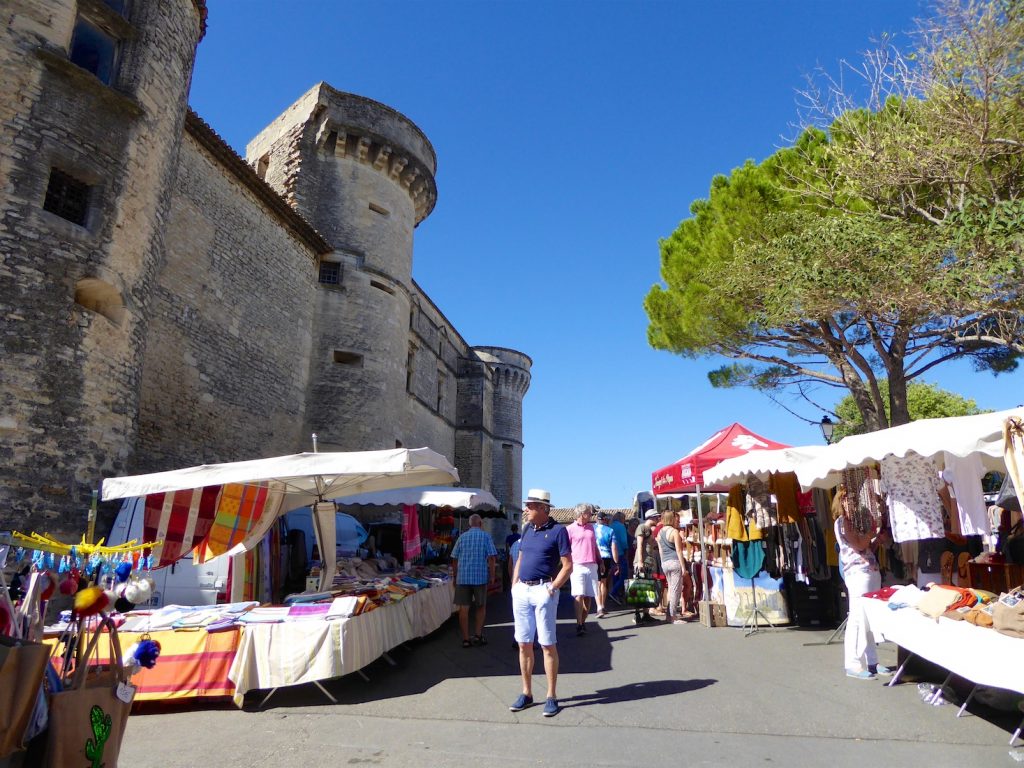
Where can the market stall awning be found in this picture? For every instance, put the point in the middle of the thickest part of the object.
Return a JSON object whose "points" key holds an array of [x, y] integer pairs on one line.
{"points": [[473, 499], [761, 463], [959, 435], [237, 502], [303, 477], [686, 474]]}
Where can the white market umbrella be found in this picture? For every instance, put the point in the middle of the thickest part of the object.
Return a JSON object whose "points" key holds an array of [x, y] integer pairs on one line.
{"points": [[298, 480]]}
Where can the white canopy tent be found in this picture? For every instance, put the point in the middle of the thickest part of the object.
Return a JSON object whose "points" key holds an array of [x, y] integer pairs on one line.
{"points": [[299, 480], [959, 435], [761, 463], [474, 499]]}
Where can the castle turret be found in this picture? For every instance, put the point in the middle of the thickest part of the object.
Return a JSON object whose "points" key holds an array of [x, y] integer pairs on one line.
{"points": [[363, 175], [89, 137], [509, 372]]}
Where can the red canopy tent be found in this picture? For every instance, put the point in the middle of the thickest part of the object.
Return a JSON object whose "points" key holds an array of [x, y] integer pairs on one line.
{"points": [[687, 474]]}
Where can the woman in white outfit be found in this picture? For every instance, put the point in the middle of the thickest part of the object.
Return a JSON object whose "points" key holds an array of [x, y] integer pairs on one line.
{"points": [[860, 572]]}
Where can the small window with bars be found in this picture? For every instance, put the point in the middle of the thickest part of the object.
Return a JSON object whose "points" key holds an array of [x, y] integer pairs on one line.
{"points": [[330, 273], [67, 197]]}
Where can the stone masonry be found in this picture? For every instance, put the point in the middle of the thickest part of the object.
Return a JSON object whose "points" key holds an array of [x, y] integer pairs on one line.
{"points": [[206, 308]]}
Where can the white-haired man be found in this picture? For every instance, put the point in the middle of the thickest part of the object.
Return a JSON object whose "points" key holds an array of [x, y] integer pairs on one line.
{"points": [[473, 559]]}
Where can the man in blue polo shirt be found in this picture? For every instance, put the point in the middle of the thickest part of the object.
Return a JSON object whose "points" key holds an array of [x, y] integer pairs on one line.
{"points": [[543, 566]]}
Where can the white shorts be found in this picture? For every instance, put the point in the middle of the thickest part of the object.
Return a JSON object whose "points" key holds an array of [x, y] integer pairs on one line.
{"points": [[583, 580], [535, 612]]}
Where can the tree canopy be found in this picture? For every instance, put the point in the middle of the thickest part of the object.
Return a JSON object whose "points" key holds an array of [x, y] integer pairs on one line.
{"points": [[875, 248]]}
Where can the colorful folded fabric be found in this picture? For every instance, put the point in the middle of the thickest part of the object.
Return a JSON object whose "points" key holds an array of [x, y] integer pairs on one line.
{"points": [[238, 511], [180, 520]]}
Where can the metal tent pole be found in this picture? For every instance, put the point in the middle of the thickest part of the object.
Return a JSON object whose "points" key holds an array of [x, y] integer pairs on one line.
{"points": [[703, 550]]}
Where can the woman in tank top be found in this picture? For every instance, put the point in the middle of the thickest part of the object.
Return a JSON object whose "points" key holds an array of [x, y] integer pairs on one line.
{"points": [[670, 547]]}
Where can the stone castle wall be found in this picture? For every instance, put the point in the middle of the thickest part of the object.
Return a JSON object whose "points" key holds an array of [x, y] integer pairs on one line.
{"points": [[75, 297], [187, 321], [226, 375]]}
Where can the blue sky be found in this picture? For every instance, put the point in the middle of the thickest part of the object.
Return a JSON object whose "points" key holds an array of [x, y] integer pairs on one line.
{"points": [[570, 136]]}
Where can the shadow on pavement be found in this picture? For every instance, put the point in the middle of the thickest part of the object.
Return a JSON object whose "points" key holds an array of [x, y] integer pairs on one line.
{"points": [[423, 664], [650, 689]]}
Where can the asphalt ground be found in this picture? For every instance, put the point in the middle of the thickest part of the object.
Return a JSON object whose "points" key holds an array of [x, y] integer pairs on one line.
{"points": [[650, 695]]}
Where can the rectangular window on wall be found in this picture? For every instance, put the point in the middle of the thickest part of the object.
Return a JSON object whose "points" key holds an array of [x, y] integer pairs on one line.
{"points": [[93, 50], [67, 197], [330, 273]]}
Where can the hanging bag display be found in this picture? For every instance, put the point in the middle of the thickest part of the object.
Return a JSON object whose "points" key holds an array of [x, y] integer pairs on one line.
{"points": [[88, 718], [22, 665]]}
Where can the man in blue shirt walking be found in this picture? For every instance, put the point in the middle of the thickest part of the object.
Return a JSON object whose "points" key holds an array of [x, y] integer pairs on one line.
{"points": [[543, 566], [473, 559]]}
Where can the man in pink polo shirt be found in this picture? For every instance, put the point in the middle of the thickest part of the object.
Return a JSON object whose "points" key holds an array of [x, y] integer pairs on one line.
{"points": [[585, 559]]}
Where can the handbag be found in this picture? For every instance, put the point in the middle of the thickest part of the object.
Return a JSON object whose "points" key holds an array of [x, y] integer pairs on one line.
{"points": [[1008, 614], [22, 665], [88, 718], [643, 592]]}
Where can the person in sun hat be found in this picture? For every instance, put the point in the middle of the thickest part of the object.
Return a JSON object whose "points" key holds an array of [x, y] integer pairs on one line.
{"points": [[544, 564]]}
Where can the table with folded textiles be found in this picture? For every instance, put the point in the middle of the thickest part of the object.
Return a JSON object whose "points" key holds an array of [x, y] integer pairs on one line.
{"points": [[978, 654], [193, 663], [274, 655]]}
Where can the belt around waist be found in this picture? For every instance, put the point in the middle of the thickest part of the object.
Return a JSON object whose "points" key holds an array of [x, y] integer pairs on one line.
{"points": [[535, 582]]}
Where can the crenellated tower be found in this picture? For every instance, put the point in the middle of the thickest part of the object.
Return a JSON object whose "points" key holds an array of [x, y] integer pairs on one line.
{"points": [[363, 175]]}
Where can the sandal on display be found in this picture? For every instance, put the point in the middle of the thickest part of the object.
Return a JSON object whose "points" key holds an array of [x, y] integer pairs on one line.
{"points": [[467, 644]]}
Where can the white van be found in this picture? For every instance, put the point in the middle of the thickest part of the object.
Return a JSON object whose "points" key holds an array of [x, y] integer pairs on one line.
{"points": [[185, 582]]}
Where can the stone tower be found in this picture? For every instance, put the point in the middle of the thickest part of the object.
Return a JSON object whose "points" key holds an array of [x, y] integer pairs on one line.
{"points": [[510, 377], [90, 127], [363, 175]]}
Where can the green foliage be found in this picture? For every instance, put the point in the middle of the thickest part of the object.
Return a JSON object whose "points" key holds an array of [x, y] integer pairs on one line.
{"points": [[888, 244], [924, 401]]}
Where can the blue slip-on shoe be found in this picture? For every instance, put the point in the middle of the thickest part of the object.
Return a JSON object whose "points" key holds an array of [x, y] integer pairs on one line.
{"points": [[860, 674], [521, 703], [881, 669], [551, 708]]}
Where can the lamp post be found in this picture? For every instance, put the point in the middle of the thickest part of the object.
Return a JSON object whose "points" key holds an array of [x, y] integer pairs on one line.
{"points": [[827, 428]]}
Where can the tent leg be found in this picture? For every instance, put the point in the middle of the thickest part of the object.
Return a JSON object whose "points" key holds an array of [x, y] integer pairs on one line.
{"points": [[363, 675], [899, 672], [832, 637], [267, 698], [389, 660], [703, 549], [324, 691], [963, 707]]}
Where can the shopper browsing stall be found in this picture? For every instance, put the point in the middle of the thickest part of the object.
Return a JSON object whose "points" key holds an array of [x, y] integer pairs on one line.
{"points": [[473, 561], [860, 572]]}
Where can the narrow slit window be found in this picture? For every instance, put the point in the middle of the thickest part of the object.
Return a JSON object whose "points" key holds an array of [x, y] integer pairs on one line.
{"points": [[353, 359], [441, 381], [67, 197], [379, 209]]}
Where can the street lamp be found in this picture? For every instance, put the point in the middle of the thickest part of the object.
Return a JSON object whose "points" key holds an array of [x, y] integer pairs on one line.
{"points": [[827, 428]]}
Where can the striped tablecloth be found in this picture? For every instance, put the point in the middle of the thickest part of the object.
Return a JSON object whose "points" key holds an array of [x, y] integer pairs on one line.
{"points": [[295, 652]]}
